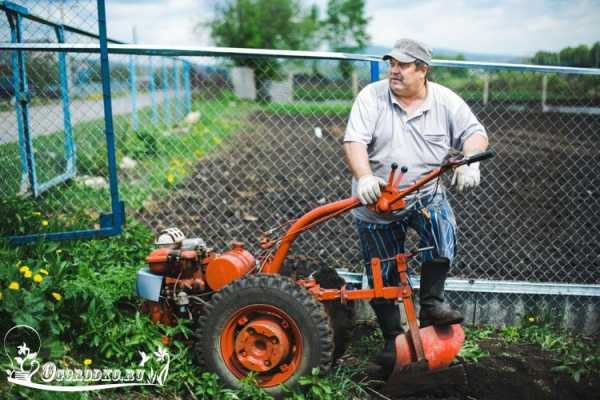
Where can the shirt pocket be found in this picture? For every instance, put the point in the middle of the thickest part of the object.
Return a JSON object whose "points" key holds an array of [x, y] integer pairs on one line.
{"points": [[435, 138]]}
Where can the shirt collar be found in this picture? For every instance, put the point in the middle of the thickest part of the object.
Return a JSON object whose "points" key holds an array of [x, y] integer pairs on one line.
{"points": [[426, 106]]}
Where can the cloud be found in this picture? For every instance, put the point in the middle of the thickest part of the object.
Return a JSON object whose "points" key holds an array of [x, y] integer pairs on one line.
{"points": [[169, 22], [492, 26], [507, 26]]}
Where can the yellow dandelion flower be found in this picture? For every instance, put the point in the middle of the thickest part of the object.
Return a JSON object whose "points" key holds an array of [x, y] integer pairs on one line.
{"points": [[87, 361], [199, 153], [37, 278], [170, 178], [36, 214], [44, 271], [24, 269], [27, 274], [57, 296], [14, 286], [44, 222]]}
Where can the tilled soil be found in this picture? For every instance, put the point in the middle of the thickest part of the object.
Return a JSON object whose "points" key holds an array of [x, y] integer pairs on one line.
{"points": [[265, 177], [511, 371], [534, 217]]}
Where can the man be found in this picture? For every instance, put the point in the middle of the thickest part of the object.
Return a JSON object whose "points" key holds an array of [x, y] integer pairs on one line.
{"points": [[408, 120]]}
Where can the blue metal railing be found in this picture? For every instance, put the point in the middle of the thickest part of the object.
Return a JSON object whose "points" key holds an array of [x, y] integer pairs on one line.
{"points": [[29, 179], [110, 224]]}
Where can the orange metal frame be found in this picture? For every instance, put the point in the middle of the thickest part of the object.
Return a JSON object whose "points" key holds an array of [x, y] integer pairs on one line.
{"points": [[403, 292], [391, 199]]}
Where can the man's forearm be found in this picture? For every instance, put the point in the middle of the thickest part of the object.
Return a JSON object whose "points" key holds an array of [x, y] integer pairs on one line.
{"points": [[475, 144], [358, 159]]}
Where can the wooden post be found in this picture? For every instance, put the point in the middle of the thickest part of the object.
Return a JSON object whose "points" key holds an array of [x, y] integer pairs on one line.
{"points": [[486, 88], [354, 83], [544, 92]]}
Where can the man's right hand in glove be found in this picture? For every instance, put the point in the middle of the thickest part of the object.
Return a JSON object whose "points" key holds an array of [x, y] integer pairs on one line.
{"points": [[369, 189]]}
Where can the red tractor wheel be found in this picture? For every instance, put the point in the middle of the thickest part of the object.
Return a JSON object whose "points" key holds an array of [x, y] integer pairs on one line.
{"points": [[267, 325]]}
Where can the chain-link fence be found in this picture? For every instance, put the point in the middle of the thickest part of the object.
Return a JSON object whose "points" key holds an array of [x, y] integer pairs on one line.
{"points": [[51, 108], [258, 142]]}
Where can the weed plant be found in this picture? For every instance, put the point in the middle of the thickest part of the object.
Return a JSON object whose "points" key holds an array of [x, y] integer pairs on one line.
{"points": [[576, 355]]}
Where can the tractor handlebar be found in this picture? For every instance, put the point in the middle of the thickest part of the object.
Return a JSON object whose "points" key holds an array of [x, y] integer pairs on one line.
{"points": [[391, 199], [485, 155]]}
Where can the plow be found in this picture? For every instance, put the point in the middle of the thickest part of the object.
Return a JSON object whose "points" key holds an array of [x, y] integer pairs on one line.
{"points": [[251, 319]]}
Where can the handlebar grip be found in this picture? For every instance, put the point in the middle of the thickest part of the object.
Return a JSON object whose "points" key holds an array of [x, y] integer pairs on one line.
{"points": [[480, 156]]}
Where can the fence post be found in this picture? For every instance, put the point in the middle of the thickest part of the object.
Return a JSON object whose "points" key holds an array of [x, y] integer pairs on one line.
{"points": [[21, 103], [64, 93], [118, 212], [177, 89], [374, 71], [544, 92], [354, 83], [486, 88], [165, 84], [186, 87], [152, 84], [133, 86]]}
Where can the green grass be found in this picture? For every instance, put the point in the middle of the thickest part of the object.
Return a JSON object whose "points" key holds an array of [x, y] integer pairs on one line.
{"points": [[165, 157], [577, 355], [85, 307]]}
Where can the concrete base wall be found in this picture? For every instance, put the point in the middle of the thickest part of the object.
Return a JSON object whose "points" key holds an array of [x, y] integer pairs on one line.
{"points": [[578, 314]]}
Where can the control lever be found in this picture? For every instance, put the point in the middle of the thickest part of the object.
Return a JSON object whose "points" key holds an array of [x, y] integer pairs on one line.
{"points": [[387, 201], [414, 252], [393, 184]]}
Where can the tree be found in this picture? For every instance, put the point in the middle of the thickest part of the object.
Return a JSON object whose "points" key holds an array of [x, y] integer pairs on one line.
{"points": [[575, 56], [595, 55], [580, 56], [263, 24], [345, 29], [545, 58]]}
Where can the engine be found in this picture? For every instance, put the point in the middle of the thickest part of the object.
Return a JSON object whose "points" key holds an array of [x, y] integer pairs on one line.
{"points": [[182, 273]]}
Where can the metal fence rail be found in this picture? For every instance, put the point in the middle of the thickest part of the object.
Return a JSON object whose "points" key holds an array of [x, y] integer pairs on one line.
{"points": [[53, 94], [257, 142], [42, 164]]}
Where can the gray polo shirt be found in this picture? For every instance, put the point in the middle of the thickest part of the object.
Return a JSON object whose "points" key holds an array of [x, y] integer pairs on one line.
{"points": [[419, 142]]}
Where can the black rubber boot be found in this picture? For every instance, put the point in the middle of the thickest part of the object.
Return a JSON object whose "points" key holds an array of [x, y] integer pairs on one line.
{"points": [[388, 317], [433, 309]]}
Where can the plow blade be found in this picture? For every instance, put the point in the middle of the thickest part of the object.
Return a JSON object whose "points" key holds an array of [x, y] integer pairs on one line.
{"points": [[441, 345]]}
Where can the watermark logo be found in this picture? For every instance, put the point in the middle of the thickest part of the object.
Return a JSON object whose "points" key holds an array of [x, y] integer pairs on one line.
{"points": [[22, 344]]}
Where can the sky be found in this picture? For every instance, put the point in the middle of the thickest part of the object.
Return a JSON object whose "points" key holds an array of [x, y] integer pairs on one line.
{"points": [[511, 27]]}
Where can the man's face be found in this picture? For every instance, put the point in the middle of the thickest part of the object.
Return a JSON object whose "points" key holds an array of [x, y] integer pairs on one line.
{"points": [[405, 78]]}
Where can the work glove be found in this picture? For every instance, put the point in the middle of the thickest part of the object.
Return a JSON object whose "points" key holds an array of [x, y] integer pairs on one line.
{"points": [[369, 189], [466, 177]]}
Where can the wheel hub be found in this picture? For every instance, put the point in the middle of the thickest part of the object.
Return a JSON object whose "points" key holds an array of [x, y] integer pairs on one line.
{"points": [[262, 344]]}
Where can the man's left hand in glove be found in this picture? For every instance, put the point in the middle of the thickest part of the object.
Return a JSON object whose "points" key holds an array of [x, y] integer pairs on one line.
{"points": [[466, 177]]}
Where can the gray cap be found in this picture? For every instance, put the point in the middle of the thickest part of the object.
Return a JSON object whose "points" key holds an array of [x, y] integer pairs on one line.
{"points": [[408, 50]]}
